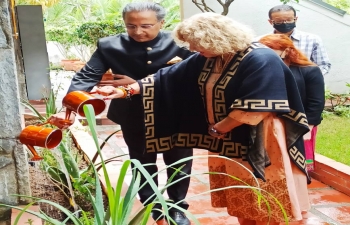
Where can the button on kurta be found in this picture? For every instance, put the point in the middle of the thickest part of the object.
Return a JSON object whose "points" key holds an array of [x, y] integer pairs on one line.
{"points": [[149, 48], [149, 62]]}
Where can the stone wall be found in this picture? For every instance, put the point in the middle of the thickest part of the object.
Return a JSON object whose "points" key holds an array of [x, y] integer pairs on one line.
{"points": [[13, 161]]}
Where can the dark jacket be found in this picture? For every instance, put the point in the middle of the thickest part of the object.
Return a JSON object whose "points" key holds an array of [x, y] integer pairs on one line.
{"points": [[310, 83], [123, 55]]}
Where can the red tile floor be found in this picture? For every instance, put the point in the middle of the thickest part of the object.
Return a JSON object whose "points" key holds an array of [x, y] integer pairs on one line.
{"points": [[328, 206]]}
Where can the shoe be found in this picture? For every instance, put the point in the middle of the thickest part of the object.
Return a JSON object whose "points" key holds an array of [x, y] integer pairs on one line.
{"points": [[179, 218], [157, 215]]}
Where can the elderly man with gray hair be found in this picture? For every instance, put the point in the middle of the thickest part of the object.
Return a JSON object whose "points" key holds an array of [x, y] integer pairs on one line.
{"points": [[142, 50]]}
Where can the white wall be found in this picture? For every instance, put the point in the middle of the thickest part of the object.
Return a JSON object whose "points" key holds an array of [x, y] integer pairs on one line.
{"points": [[332, 28]]}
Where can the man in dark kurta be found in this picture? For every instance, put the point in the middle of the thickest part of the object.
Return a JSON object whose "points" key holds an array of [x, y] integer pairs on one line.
{"points": [[142, 51]]}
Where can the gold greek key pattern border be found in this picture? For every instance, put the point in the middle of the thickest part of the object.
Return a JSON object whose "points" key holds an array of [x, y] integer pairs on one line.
{"points": [[234, 150], [297, 157], [148, 104], [219, 105], [220, 111], [260, 104], [204, 75], [297, 117], [228, 148]]}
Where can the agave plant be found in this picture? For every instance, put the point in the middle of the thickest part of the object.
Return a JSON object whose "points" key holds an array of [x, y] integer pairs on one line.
{"points": [[50, 106]]}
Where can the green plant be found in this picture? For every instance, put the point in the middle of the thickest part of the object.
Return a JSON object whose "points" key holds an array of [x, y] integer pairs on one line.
{"points": [[339, 103], [64, 38], [119, 208], [173, 16], [333, 138], [55, 67], [30, 221], [340, 4], [45, 3], [63, 169], [90, 32], [50, 106]]}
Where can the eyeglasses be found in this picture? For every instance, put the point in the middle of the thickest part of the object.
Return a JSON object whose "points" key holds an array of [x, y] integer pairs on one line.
{"points": [[142, 27], [283, 21]]}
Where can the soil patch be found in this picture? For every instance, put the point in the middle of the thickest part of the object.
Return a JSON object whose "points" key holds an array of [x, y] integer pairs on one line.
{"points": [[42, 187]]}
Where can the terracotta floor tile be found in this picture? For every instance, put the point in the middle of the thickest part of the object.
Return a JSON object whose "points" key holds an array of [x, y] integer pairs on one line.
{"points": [[202, 205], [218, 220], [309, 219], [26, 216], [317, 222], [327, 196], [316, 184], [197, 187], [340, 214]]}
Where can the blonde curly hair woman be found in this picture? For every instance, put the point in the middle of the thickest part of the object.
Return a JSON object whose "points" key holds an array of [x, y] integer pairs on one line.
{"points": [[214, 33], [236, 99]]}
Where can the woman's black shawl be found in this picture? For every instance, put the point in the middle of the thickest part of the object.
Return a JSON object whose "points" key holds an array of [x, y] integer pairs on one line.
{"points": [[256, 80]]}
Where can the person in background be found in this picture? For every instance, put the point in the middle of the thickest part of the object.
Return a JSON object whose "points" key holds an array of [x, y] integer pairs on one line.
{"points": [[283, 18], [237, 99], [141, 51], [310, 84]]}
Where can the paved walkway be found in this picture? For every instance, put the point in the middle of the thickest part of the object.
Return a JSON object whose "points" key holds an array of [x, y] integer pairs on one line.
{"points": [[328, 205]]}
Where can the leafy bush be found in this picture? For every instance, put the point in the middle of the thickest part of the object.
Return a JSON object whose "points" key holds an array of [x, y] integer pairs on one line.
{"points": [[339, 103], [90, 32], [340, 4], [64, 38]]}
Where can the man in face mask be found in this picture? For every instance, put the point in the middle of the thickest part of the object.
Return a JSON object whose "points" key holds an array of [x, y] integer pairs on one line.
{"points": [[283, 19]]}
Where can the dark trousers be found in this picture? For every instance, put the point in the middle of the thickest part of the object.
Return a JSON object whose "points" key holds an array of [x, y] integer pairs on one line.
{"points": [[134, 138]]}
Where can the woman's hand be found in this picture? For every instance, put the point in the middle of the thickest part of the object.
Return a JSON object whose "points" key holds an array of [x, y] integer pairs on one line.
{"points": [[110, 92], [121, 80], [106, 90]]}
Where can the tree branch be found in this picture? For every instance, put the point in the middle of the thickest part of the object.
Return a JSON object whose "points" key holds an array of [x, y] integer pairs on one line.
{"points": [[226, 6], [205, 8], [221, 3], [204, 5]]}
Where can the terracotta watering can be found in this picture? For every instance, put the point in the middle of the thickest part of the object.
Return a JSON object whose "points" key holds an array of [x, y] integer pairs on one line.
{"points": [[74, 102], [40, 136]]}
